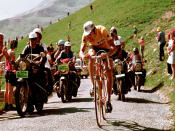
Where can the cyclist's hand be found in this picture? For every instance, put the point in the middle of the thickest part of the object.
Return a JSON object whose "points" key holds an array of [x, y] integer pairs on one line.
{"points": [[104, 55], [86, 56]]}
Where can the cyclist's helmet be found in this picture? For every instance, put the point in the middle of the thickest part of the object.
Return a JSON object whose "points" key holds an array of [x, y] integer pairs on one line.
{"points": [[113, 30], [88, 27]]}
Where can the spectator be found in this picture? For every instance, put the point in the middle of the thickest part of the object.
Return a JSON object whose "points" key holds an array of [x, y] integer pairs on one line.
{"points": [[168, 46], [142, 46], [135, 32], [91, 8], [171, 53], [49, 57], [10, 74], [161, 43], [1, 45], [69, 26]]}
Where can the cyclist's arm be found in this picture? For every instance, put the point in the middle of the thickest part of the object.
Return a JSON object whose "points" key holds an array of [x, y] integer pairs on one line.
{"points": [[83, 48]]}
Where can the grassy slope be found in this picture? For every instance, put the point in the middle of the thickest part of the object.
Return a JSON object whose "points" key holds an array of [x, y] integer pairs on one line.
{"points": [[123, 14]]}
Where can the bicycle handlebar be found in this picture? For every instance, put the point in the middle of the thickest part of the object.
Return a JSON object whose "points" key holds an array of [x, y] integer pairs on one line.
{"points": [[98, 57]]}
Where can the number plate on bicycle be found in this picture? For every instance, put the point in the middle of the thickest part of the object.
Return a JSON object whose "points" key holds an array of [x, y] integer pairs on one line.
{"points": [[119, 76], [21, 74]]}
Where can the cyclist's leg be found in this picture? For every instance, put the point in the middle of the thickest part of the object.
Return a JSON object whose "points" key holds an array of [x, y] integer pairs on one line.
{"points": [[109, 75], [110, 79], [91, 65]]}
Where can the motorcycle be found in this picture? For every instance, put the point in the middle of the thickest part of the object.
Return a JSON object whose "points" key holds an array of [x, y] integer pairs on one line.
{"points": [[67, 81], [31, 85], [139, 72], [120, 86], [81, 68]]}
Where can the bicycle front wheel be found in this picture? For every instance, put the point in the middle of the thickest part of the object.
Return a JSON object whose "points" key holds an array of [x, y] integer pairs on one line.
{"points": [[103, 98]]}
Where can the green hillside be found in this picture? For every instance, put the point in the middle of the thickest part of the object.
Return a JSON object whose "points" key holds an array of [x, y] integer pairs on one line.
{"points": [[147, 15]]}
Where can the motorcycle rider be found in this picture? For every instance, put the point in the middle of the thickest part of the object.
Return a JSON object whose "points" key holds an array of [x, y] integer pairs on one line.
{"points": [[60, 47], [66, 53], [34, 48], [120, 53], [114, 35], [39, 37], [133, 58], [119, 45], [98, 39]]}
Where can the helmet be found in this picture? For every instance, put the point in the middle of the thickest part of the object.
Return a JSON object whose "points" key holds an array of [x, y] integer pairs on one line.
{"points": [[117, 42], [32, 35], [158, 29], [60, 42], [88, 27], [113, 30], [37, 30], [67, 43], [135, 49]]}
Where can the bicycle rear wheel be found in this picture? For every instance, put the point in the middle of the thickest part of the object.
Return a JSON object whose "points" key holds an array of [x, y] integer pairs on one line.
{"points": [[98, 107]]}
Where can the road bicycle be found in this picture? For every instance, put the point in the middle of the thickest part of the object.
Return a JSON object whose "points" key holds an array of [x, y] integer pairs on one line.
{"points": [[100, 87]]}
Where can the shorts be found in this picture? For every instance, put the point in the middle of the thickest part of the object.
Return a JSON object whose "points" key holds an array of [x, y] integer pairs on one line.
{"points": [[99, 49], [10, 77]]}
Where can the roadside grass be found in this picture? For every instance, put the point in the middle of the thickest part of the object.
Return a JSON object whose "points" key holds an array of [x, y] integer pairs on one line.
{"points": [[119, 13], [123, 14]]}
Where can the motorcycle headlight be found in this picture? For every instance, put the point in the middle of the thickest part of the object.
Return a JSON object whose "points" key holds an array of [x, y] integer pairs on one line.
{"points": [[119, 68], [138, 67], [22, 66]]}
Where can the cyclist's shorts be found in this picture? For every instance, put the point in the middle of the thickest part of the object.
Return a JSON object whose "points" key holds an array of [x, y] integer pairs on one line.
{"points": [[99, 49]]}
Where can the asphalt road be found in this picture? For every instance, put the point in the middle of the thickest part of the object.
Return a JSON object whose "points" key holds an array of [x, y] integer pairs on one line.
{"points": [[142, 111]]}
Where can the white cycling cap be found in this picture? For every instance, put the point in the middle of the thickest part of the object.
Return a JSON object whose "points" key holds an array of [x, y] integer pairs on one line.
{"points": [[88, 27]]}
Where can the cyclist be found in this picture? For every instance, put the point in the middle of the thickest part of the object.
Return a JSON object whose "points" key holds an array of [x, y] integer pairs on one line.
{"points": [[98, 39]]}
